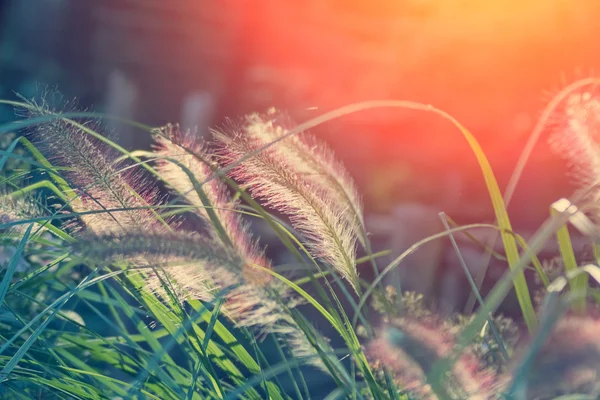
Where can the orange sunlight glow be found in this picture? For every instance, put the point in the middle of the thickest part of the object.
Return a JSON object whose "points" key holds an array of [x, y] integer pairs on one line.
{"points": [[488, 63]]}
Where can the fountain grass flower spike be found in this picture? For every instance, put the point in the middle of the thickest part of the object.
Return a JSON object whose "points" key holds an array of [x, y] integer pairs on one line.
{"points": [[193, 266], [101, 184], [228, 258], [281, 176], [576, 137], [410, 349], [185, 164]]}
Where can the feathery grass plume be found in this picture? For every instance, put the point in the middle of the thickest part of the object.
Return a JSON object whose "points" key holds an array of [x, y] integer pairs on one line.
{"points": [[283, 185], [407, 374], [313, 159], [201, 271], [13, 210], [576, 136], [568, 362], [409, 349], [100, 183], [189, 152], [17, 209]]}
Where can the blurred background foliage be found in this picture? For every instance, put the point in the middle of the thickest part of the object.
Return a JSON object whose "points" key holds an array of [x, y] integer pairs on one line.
{"points": [[198, 62]]}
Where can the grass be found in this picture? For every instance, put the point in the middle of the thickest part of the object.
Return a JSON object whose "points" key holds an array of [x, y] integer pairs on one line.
{"points": [[130, 293]]}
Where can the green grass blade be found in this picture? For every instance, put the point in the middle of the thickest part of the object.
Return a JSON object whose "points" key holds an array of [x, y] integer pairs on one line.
{"points": [[348, 334], [39, 185], [12, 265], [31, 339], [474, 288], [437, 375], [9, 150], [58, 303], [538, 130], [60, 181], [579, 283], [156, 358]]}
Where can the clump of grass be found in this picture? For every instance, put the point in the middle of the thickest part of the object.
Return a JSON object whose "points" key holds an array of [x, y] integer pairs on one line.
{"points": [[143, 294]]}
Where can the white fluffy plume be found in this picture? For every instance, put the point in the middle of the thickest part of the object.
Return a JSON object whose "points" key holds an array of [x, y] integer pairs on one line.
{"points": [[284, 181]]}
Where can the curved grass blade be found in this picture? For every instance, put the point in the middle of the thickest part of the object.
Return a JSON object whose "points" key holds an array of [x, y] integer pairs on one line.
{"points": [[45, 184], [37, 155], [522, 161], [12, 265], [474, 288], [437, 374], [510, 245], [9, 150], [348, 334], [20, 353], [409, 251], [577, 284], [552, 310]]}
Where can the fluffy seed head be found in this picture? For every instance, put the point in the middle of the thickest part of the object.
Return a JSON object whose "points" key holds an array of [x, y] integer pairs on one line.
{"points": [[410, 350], [576, 137], [185, 165], [199, 269], [312, 158], [281, 182], [17, 209], [100, 184]]}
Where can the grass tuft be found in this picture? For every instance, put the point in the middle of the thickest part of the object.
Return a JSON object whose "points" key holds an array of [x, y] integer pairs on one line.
{"points": [[114, 288]]}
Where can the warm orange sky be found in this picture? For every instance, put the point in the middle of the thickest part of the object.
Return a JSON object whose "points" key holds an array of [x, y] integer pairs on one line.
{"points": [[491, 64]]}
